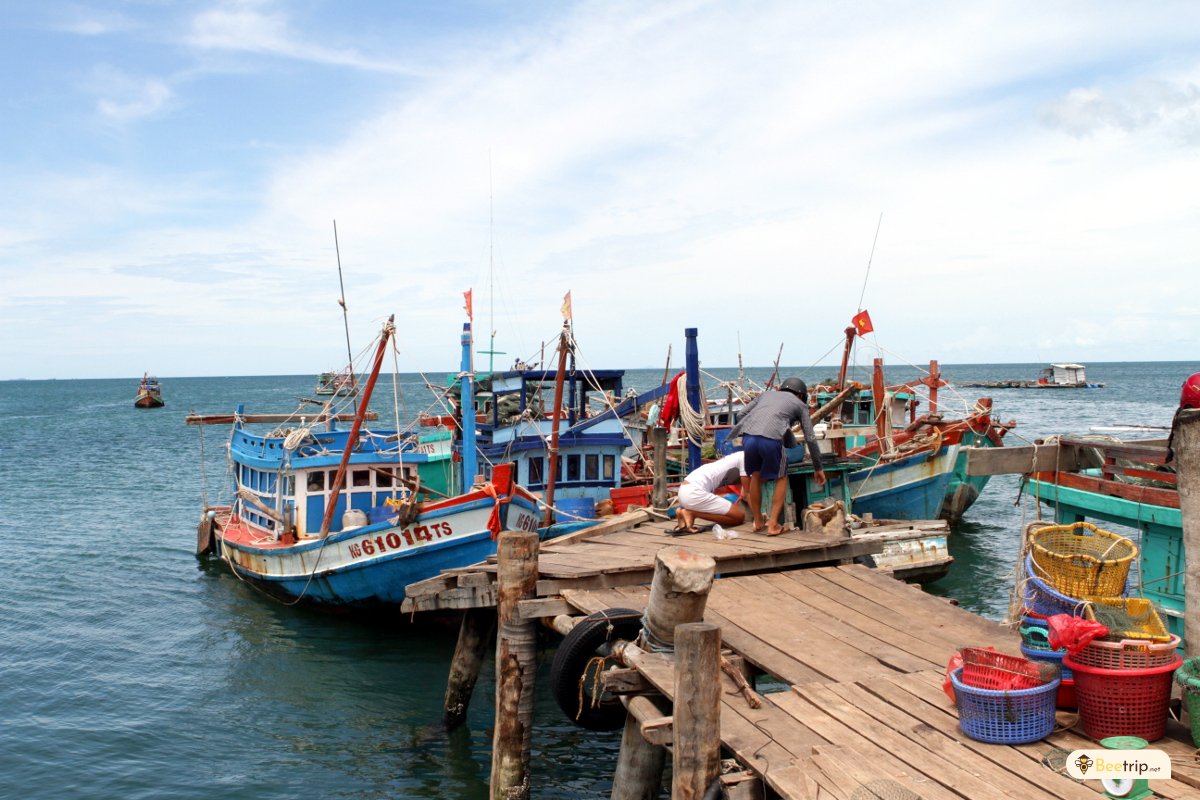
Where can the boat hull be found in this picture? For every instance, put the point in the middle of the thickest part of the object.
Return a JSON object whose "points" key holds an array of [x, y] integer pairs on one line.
{"points": [[963, 490], [913, 487], [368, 568], [148, 401]]}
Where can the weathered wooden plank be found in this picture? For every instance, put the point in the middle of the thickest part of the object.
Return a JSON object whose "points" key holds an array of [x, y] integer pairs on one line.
{"points": [[543, 607], [783, 622], [618, 523], [948, 774], [1022, 460], [1167, 498], [860, 624]]}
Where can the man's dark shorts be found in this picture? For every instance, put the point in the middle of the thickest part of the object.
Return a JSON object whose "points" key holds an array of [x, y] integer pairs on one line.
{"points": [[765, 456]]}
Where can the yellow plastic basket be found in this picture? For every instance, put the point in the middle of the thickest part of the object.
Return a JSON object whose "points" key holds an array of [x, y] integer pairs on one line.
{"points": [[1143, 620], [1080, 560]]}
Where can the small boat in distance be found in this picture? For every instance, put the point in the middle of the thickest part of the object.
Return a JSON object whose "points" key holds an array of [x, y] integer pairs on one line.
{"points": [[149, 393], [342, 384]]}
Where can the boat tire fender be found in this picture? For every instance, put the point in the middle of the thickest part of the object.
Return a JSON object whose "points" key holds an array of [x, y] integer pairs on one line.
{"points": [[571, 666]]}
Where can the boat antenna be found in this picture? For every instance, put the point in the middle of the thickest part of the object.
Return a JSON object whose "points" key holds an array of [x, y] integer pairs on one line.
{"points": [[871, 258], [345, 315], [492, 352], [741, 372], [771, 382]]}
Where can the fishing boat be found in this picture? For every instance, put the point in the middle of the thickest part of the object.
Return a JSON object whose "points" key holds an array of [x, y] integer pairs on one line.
{"points": [[149, 393], [337, 383], [343, 520]]}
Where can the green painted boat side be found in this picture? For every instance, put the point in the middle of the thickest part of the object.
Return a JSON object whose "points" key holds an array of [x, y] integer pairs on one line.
{"points": [[1161, 557], [963, 489]]}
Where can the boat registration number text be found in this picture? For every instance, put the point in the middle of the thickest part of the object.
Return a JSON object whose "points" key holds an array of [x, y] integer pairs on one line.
{"points": [[384, 543], [525, 522]]}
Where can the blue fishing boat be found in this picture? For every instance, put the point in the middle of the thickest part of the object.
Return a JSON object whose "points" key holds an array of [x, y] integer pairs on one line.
{"points": [[344, 519], [149, 393]]}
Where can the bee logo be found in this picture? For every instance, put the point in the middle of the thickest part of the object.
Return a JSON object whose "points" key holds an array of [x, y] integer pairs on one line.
{"points": [[1083, 762]]}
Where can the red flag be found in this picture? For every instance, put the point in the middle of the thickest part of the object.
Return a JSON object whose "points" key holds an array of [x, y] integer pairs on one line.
{"points": [[467, 297], [862, 323]]}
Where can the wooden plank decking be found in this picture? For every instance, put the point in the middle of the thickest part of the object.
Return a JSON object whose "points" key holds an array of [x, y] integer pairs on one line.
{"points": [[863, 657], [625, 557]]}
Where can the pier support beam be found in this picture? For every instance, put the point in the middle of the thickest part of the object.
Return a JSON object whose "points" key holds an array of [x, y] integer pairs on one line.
{"points": [[658, 441], [697, 729], [474, 635], [516, 666], [640, 765], [678, 593], [1185, 435]]}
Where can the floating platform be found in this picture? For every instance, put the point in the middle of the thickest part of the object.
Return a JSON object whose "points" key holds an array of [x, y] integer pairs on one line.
{"points": [[1025, 385]]}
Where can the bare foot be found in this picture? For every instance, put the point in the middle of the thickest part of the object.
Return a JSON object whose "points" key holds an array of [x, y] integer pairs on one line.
{"points": [[759, 525], [775, 530]]}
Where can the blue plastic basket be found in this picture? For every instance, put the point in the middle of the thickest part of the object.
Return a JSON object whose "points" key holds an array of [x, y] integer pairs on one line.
{"points": [[1016, 717], [1053, 656], [1035, 634]]}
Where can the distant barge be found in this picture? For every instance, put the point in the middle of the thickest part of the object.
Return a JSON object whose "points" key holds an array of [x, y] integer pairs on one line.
{"points": [[1055, 376]]}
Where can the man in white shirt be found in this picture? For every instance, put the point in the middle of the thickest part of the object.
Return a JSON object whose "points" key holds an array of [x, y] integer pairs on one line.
{"points": [[698, 498]]}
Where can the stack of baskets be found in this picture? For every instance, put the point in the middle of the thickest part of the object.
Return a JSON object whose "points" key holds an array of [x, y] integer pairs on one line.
{"points": [[1035, 645], [1122, 683], [1004, 699]]}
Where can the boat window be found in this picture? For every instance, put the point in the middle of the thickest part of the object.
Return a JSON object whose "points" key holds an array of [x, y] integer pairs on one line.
{"points": [[409, 472], [609, 467], [316, 481], [572, 468], [289, 485], [383, 477], [536, 466], [591, 467], [271, 480], [360, 477], [864, 413]]}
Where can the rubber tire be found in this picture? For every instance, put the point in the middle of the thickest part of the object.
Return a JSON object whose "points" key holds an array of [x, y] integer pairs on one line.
{"points": [[579, 648]]}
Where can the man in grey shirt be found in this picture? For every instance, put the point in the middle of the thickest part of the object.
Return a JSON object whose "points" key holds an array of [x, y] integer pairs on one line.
{"points": [[765, 426]]}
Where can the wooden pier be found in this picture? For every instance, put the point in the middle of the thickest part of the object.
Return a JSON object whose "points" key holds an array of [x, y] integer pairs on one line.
{"points": [[620, 552], [860, 659], [850, 662]]}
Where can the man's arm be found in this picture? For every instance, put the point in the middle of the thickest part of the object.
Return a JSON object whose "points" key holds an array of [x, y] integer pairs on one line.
{"points": [[814, 450]]}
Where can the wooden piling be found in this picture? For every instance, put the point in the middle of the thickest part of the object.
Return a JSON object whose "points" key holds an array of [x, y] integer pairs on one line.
{"points": [[516, 666], [658, 441], [697, 718], [640, 765], [1186, 444], [678, 593], [474, 635]]}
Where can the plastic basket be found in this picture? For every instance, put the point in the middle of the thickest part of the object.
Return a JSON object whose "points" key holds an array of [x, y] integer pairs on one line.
{"points": [[1016, 717], [1080, 559], [1043, 599], [1035, 635], [1126, 702], [1128, 654], [988, 669], [1188, 677], [1052, 656], [1150, 627]]}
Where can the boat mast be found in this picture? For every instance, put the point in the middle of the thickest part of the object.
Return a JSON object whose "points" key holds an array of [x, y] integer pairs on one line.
{"points": [[491, 352], [552, 465], [345, 315], [467, 407], [352, 439]]}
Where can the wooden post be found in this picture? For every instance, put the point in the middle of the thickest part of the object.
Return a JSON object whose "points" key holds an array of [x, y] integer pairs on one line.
{"points": [[640, 765], [1186, 444], [516, 666], [474, 635], [934, 380], [678, 593], [658, 495], [697, 717], [693, 398], [552, 453]]}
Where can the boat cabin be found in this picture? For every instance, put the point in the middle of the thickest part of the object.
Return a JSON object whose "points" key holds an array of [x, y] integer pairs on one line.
{"points": [[514, 422], [1065, 374]]}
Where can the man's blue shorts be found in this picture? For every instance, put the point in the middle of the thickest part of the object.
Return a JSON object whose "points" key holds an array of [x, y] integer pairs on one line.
{"points": [[765, 456]]}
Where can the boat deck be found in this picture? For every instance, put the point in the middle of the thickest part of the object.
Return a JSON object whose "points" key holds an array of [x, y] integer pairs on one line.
{"points": [[860, 658], [621, 553]]}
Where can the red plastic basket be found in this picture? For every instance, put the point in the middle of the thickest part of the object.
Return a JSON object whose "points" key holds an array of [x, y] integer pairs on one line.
{"points": [[1128, 654], [1123, 702], [987, 669]]}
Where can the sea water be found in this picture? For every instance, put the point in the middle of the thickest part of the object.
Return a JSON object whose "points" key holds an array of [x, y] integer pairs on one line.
{"points": [[131, 669]]}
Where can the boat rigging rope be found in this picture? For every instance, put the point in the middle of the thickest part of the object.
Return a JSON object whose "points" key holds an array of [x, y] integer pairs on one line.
{"points": [[693, 420]]}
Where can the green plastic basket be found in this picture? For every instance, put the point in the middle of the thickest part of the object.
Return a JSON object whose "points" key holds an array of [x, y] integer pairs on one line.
{"points": [[1188, 677]]}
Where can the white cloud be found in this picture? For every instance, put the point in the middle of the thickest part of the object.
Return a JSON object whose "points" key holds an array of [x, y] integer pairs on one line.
{"points": [[1173, 109], [258, 26], [122, 98]]}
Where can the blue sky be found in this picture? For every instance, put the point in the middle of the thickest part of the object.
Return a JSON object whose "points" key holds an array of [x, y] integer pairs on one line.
{"points": [[171, 172]]}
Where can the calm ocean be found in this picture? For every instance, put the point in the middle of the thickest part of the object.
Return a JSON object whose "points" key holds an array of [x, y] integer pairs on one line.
{"points": [[132, 670]]}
